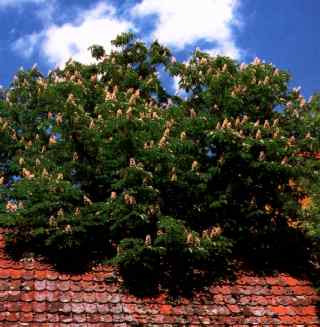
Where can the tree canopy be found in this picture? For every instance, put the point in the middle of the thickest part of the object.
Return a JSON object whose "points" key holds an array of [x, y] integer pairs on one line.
{"points": [[101, 162]]}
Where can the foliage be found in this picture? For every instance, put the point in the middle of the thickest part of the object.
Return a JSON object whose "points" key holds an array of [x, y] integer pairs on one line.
{"points": [[100, 161]]}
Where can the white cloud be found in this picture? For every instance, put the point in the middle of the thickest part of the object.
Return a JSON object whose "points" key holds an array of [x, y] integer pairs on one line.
{"points": [[57, 43], [179, 23], [26, 45], [227, 49], [184, 22]]}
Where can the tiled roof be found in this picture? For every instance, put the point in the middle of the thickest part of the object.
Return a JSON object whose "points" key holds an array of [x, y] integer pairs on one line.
{"points": [[34, 294], [315, 155]]}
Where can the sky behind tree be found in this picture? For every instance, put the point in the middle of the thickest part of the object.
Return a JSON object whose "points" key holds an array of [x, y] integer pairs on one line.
{"points": [[49, 32]]}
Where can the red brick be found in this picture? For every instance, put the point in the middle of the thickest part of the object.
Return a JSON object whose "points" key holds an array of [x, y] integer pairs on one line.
{"points": [[76, 296], [79, 318], [40, 296], [3, 316], [178, 310], [104, 308], [15, 273], [221, 299], [15, 284], [63, 285], [205, 320], [64, 277], [78, 307], [106, 318], [65, 318], [97, 320], [213, 310], [234, 308], [251, 321], [290, 320], [65, 297], [26, 307], [165, 309], [258, 300], [39, 306], [303, 290], [284, 300], [245, 280], [35, 294], [289, 280], [75, 278], [14, 296], [75, 287], [116, 308], [53, 318], [161, 299], [99, 287], [66, 308], [261, 290], [52, 275], [40, 317], [26, 316], [303, 282], [272, 281], [12, 307], [3, 271], [27, 296], [51, 285], [4, 264], [40, 274], [86, 286], [103, 297], [224, 289], [13, 316], [40, 285], [87, 277], [53, 296], [27, 275], [115, 298], [55, 307], [279, 310], [89, 297], [309, 311], [29, 265], [245, 300], [4, 285], [90, 307], [130, 308], [278, 290]]}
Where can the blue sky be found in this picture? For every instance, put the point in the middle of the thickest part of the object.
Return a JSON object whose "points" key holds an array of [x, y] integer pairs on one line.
{"points": [[284, 32]]}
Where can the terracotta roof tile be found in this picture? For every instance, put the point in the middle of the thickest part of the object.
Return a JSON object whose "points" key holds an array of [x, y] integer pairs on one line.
{"points": [[52, 275], [80, 318], [27, 296], [33, 294], [53, 317], [65, 297], [52, 296], [26, 316]]}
